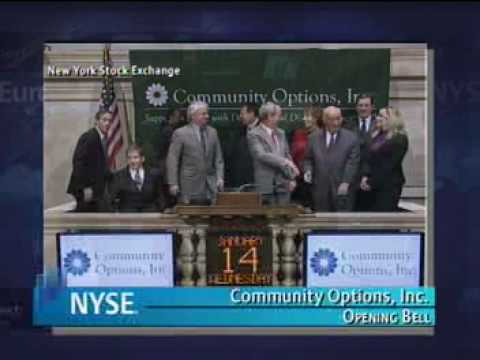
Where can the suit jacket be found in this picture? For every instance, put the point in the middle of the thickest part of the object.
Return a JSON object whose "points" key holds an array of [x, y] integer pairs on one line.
{"points": [[164, 141], [270, 171], [384, 164], [194, 172], [331, 166], [89, 166], [352, 124], [126, 197], [365, 139], [240, 162]]}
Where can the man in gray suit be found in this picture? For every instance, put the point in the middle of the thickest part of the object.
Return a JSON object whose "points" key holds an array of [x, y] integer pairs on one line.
{"points": [[331, 163], [274, 170], [195, 168], [363, 125]]}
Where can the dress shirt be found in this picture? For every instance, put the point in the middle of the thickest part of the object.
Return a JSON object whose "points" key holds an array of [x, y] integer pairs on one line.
{"points": [[368, 122]]}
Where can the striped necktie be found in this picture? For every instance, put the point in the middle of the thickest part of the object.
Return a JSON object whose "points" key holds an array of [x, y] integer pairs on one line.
{"points": [[363, 126], [275, 140], [138, 180], [203, 137]]}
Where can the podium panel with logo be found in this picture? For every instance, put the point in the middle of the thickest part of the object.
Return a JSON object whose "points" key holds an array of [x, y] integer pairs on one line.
{"points": [[364, 259], [113, 259]]}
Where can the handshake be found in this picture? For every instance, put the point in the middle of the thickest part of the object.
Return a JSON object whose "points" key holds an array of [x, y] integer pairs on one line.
{"points": [[290, 170]]}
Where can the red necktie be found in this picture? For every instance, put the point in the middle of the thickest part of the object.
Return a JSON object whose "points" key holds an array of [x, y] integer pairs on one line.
{"points": [[274, 138]]}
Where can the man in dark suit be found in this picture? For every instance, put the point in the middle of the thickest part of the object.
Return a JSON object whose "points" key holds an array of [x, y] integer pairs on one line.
{"points": [[241, 163], [364, 124], [137, 188], [331, 163], [90, 172], [174, 121]]}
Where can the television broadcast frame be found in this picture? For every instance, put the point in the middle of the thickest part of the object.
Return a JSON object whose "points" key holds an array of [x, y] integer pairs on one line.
{"points": [[237, 189]]}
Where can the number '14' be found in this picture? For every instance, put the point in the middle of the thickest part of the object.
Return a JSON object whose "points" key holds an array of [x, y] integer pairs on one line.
{"points": [[249, 258]]}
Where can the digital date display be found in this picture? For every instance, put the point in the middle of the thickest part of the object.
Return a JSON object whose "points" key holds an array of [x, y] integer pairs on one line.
{"points": [[239, 260]]}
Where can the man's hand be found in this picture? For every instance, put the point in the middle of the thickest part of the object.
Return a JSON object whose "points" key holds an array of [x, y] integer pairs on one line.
{"points": [[307, 177], [292, 185], [343, 189], [174, 190], [292, 165], [87, 194], [220, 185], [364, 184]]}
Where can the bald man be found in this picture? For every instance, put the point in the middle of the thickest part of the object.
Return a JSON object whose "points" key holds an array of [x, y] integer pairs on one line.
{"points": [[331, 164]]}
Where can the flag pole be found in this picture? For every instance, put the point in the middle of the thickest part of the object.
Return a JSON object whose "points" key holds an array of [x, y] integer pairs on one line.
{"points": [[127, 124]]}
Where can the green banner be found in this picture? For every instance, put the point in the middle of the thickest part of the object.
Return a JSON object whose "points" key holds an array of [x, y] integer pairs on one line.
{"points": [[226, 79]]}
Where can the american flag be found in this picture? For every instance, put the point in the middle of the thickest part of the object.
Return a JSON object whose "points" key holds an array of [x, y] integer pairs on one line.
{"points": [[108, 100]]}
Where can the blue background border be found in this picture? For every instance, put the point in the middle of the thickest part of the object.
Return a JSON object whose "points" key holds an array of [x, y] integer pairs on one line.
{"points": [[450, 29]]}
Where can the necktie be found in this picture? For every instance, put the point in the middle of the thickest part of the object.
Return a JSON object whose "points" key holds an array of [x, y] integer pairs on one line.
{"points": [[104, 146], [363, 126], [138, 179], [332, 140], [203, 138], [274, 139]]}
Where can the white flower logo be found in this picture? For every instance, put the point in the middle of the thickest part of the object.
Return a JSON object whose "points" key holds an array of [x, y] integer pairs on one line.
{"points": [[156, 94]]}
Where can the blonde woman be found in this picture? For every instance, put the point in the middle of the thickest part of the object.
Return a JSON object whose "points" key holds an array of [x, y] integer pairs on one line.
{"points": [[383, 174]]}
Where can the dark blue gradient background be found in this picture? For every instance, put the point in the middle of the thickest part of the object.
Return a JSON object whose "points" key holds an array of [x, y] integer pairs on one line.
{"points": [[451, 29]]}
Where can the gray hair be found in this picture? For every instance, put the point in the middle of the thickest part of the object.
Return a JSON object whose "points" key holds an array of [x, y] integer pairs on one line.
{"points": [[269, 108], [194, 107], [331, 109]]}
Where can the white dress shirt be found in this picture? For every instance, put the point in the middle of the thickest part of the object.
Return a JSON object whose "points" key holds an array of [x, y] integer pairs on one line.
{"points": [[252, 125], [196, 128], [368, 121], [133, 172], [100, 133], [267, 129], [270, 132], [331, 136]]}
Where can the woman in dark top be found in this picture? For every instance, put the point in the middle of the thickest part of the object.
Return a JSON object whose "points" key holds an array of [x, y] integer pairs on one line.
{"points": [[312, 118], [383, 172]]}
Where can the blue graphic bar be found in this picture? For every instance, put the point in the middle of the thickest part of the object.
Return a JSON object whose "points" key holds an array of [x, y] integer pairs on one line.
{"points": [[237, 307]]}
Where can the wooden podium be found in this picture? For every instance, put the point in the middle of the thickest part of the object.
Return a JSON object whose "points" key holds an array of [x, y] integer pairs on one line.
{"points": [[244, 204], [239, 243], [239, 199]]}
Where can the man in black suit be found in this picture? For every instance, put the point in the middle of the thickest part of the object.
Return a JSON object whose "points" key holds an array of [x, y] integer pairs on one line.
{"points": [[241, 163], [90, 172], [175, 120], [137, 188], [364, 124]]}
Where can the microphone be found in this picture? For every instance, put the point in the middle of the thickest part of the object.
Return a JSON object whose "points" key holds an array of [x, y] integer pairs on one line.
{"points": [[242, 188]]}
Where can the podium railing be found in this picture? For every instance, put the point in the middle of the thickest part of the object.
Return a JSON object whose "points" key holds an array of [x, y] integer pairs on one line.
{"points": [[288, 226]]}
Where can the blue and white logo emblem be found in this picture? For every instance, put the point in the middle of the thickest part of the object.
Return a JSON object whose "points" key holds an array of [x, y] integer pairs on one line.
{"points": [[323, 262], [76, 262], [156, 94]]}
